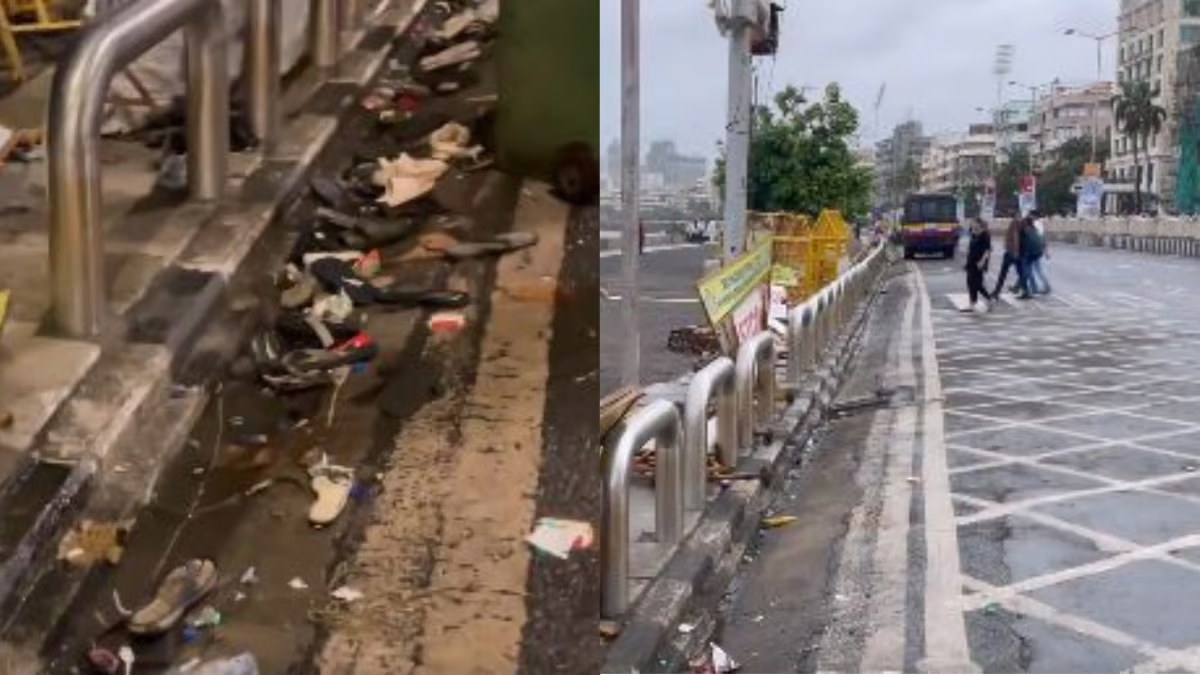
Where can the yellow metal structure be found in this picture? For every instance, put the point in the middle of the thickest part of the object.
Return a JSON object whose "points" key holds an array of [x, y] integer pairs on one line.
{"points": [[27, 16], [807, 255], [830, 241]]}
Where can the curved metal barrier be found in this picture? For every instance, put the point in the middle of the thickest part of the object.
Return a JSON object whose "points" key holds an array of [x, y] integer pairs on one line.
{"points": [[680, 478], [73, 138], [755, 371], [659, 422], [801, 342], [716, 379]]}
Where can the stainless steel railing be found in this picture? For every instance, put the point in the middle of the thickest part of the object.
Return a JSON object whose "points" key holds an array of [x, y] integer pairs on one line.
{"points": [[680, 478], [73, 137], [755, 375], [122, 31], [659, 422], [715, 379]]}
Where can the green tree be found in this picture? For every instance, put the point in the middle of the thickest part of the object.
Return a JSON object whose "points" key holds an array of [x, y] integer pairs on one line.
{"points": [[1058, 177], [1139, 117], [801, 158]]}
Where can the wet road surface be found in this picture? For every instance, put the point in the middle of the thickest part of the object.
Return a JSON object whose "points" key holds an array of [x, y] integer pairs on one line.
{"points": [[667, 280], [1037, 507]]}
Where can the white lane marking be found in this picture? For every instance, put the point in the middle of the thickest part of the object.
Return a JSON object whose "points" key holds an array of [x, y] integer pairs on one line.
{"points": [[652, 249], [961, 301], [609, 297], [946, 648]]}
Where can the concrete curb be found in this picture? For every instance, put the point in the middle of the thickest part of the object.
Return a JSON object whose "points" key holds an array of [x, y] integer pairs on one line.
{"points": [[696, 577], [135, 408]]}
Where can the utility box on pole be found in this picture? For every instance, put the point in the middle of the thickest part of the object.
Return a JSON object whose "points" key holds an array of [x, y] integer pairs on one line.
{"points": [[752, 27]]}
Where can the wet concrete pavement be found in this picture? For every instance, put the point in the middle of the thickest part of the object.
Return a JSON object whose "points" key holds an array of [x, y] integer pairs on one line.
{"points": [[1037, 508], [201, 507], [667, 280], [1073, 439]]}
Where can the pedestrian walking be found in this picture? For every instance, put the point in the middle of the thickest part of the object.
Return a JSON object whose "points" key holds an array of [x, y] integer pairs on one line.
{"points": [[1012, 258], [1032, 247], [641, 237], [1037, 275], [979, 254]]}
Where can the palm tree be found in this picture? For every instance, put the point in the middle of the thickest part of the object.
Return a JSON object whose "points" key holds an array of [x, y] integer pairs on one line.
{"points": [[1139, 117]]}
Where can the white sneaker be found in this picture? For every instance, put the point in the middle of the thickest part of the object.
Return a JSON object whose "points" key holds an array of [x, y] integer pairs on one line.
{"points": [[982, 307]]}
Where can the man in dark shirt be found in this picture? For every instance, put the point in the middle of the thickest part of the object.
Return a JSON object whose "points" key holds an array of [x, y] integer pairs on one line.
{"points": [[979, 253], [1012, 257]]}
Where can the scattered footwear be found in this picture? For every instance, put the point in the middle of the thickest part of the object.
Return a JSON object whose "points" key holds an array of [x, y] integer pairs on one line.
{"points": [[332, 485], [501, 244], [178, 592]]}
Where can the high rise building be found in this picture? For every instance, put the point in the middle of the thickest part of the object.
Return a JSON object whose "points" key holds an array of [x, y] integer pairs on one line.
{"points": [[898, 163], [613, 164], [678, 171], [1154, 34]]}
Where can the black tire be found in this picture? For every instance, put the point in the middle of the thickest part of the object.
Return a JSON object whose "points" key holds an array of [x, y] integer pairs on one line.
{"points": [[577, 175], [908, 253], [950, 251]]}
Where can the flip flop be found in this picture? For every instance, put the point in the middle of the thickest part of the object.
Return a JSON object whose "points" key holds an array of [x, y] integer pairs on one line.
{"points": [[332, 485], [339, 276], [503, 243], [397, 298], [178, 592], [375, 232], [304, 361]]}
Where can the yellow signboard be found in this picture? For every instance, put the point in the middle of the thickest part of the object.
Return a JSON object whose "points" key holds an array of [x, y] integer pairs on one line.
{"points": [[726, 288]]}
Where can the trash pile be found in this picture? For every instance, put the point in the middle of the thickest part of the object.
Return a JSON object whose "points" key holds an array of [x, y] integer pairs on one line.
{"points": [[697, 340], [372, 218]]}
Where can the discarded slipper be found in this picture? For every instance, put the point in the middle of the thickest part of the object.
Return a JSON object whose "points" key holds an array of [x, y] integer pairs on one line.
{"points": [[397, 298], [332, 486], [339, 276], [303, 361], [504, 243], [182, 588]]}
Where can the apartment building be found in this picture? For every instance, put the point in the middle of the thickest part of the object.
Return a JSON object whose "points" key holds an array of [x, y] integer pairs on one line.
{"points": [[957, 161], [1066, 113], [1153, 33]]}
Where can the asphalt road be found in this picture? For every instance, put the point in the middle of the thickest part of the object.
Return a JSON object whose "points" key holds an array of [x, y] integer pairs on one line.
{"points": [[1035, 508], [667, 285]]}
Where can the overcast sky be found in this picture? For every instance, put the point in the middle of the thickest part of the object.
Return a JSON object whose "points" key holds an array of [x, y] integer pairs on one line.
{"points": [[935, 56]]}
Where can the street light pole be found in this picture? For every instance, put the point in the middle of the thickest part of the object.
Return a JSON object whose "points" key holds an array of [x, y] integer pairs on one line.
{"points": [[1099, 39], [630, 156]]}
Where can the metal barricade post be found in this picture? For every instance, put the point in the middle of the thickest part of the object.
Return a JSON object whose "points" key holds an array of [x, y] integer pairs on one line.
{"points": [[325, 33], [659, 422], [264, 70], [800, 340], [755, 385], [717, 378], [73, 138]]}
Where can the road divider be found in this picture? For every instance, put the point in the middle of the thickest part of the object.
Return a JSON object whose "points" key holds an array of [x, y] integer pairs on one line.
{"points": [[1165, 235]]}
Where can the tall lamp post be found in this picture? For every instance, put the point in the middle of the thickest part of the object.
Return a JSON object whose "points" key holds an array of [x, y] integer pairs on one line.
{"points": [[1099, 40]]}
